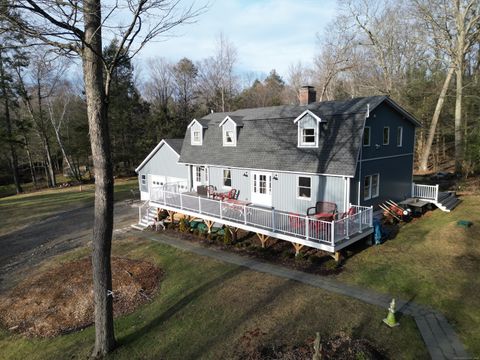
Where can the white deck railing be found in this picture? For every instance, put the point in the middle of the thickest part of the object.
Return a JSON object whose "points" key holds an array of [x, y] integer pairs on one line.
{"points": [[271, 220], [429, 192]]}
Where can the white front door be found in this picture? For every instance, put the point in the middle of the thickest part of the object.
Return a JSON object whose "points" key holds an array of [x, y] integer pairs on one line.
{"points": [[262, 188], [200, 176]]}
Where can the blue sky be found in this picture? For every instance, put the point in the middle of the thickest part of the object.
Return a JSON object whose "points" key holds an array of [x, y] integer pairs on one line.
{"points": [[268, 34]]}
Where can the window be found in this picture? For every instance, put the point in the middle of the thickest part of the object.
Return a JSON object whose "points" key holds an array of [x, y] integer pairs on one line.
{"points": [[366, 136], [371, 186], [227, 178], [386, 135], [198, 174], [229, 137], [144, 180], [196, 135], [399, 136], [304, 187], [308, 136]]}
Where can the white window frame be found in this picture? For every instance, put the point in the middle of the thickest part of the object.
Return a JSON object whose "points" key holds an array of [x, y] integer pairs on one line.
{"points": [[371, 194], [400, 132], [369, 136], [388, 135], [198, 174], [143, 179], [194, 130], [298, 188], [301, 143], [223, 179], [234, 137]]}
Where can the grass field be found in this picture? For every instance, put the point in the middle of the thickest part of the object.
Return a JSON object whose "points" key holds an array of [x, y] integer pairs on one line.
{"points": [[204, 307], [22, 209], [431, 261]]}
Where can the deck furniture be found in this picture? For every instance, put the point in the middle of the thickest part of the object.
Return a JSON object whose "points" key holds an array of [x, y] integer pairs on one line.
{"points": [[323, 210], [232, 194], [202, 190]]}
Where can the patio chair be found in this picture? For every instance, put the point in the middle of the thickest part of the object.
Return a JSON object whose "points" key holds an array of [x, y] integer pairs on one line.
{"points": [[211, 193], [232, 194], [323, 210], [202, 190], [351, 211]]}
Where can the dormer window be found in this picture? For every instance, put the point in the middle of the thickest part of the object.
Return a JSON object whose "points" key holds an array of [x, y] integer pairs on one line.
{"points": [[308, 129], [196, 132], [230, 127]]}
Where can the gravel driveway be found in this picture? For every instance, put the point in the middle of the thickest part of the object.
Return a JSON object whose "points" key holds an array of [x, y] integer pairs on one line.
{"points": [[22, 249]]}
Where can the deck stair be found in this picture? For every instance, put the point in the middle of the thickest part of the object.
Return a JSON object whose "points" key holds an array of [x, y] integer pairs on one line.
{"points": [[147, 218], [447, 201]]}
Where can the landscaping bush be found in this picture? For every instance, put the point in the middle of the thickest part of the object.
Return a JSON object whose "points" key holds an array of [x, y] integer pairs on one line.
{"points": [[184, 225], [227, 237]]}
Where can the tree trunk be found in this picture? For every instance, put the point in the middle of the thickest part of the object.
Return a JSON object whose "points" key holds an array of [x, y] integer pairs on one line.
{"points": [[8, 127], [30, 161], [51, 172], [436, 116], [100, 144], [458, 118]]}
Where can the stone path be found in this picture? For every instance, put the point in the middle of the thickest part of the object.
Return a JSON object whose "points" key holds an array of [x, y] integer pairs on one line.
{"points": [[440, 339]]}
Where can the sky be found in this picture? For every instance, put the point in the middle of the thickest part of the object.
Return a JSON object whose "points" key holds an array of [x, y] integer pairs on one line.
{"points": [[268, 34]]}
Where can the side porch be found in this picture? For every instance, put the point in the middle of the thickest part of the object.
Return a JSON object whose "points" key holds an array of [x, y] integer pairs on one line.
{"points": [[300, 230]]}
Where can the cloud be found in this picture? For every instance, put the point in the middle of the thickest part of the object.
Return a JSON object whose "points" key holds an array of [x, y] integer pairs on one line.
{"points": [[268, 34]]}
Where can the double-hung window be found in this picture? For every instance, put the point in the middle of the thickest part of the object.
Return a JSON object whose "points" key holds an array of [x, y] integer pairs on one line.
{"points": [[371, 186], [399, 136], [308, 137], [386, 135], [366, 136], [304, 187], [227, 178], [144, 180]]}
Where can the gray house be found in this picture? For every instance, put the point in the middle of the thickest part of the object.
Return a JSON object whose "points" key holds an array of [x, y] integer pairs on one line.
{"points": [[283, 160]]}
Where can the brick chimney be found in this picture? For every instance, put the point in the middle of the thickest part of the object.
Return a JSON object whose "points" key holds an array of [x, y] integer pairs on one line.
{"points": [[307, 95]]}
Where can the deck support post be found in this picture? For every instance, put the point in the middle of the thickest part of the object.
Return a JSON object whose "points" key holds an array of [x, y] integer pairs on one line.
{"points": [[337, 255], [171, 213], [297, 247], [263, 239], [209, 224], [234, 232]]}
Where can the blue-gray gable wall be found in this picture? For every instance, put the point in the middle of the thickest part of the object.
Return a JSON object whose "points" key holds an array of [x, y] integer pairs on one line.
{"points": [[394, 164], [164, 163], [284, 189]]}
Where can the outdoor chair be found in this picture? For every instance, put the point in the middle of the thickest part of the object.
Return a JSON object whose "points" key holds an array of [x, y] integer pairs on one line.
{"points": [[232, 194], [202, 190], [211, 193], [323, 210]]}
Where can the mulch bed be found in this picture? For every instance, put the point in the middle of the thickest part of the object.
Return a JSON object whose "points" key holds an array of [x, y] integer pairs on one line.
{"points": [[60, 300], [278, 252], [339, 346]]}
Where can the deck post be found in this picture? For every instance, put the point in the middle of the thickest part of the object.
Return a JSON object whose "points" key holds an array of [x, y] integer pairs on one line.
{"points": [[370, 218], [307, 226], [245, 214], [332, 231], [263, 239], [297, 247], [273, 219], [220, 202], [436, 193], [209, 224], [164, 197], [337, 255], [360, 223], [413, 189], [347, 230], [181, 201], [199, 205]]}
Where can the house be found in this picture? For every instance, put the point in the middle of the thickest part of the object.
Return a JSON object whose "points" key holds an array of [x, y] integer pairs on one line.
{"points": [[283, 160], [161, 167]]}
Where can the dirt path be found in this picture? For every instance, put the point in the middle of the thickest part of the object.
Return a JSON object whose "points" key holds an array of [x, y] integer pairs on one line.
{"points": [[27, 247]]}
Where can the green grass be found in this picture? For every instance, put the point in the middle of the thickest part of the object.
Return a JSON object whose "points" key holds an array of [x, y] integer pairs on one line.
{"points": [[204, 307], [431, 261], [19, 210]]}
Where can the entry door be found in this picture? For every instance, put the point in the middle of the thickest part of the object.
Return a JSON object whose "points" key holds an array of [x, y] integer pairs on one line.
{"points": [[200, 176], [262, 188]]}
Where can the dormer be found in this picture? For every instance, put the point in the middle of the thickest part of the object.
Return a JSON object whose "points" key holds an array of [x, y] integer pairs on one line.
{"points": [[308, 129], [196, 132], [230, 127]]}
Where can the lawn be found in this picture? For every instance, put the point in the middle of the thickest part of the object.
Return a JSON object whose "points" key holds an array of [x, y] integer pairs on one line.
{"points": [[204, 307], [31, 207], [431, 261]]}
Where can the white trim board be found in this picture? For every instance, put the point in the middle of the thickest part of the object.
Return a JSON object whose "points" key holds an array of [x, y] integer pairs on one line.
{"points": [[386, 157]]}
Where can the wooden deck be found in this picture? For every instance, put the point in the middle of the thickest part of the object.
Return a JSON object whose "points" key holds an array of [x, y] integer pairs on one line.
{"points": [[299, 229]]}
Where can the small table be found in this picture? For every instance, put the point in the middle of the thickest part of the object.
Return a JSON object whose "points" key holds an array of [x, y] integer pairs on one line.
{"points": [[417, 206]]}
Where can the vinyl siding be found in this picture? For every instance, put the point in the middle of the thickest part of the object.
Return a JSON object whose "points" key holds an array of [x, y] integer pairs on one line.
{"points": [[164, 162], [284, 190]]}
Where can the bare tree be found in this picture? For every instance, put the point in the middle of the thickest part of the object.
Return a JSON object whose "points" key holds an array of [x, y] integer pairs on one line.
{"points": [[298, 75], [76, 28], [454, 27]]}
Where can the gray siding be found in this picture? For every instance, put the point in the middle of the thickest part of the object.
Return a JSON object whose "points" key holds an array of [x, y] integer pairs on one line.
{"points": [[164, 162], [284, 190]]}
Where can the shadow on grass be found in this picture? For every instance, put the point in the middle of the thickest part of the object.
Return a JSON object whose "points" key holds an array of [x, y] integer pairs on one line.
{"points": [[178, 306]]}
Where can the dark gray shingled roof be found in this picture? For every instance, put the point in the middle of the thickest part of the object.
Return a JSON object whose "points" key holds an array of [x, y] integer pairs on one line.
{"points": [[176, 144], [268, 138]]}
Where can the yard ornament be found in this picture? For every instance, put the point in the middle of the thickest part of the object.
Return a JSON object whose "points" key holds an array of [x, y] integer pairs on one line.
{"points": [[390, 319]]}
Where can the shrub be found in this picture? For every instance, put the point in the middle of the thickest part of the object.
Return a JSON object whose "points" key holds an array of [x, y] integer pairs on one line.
{"points": [[184, 225], [227, 237]]}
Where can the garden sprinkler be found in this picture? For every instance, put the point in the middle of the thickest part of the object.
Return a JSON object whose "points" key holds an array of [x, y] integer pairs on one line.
{"points": [[390, 319]]}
